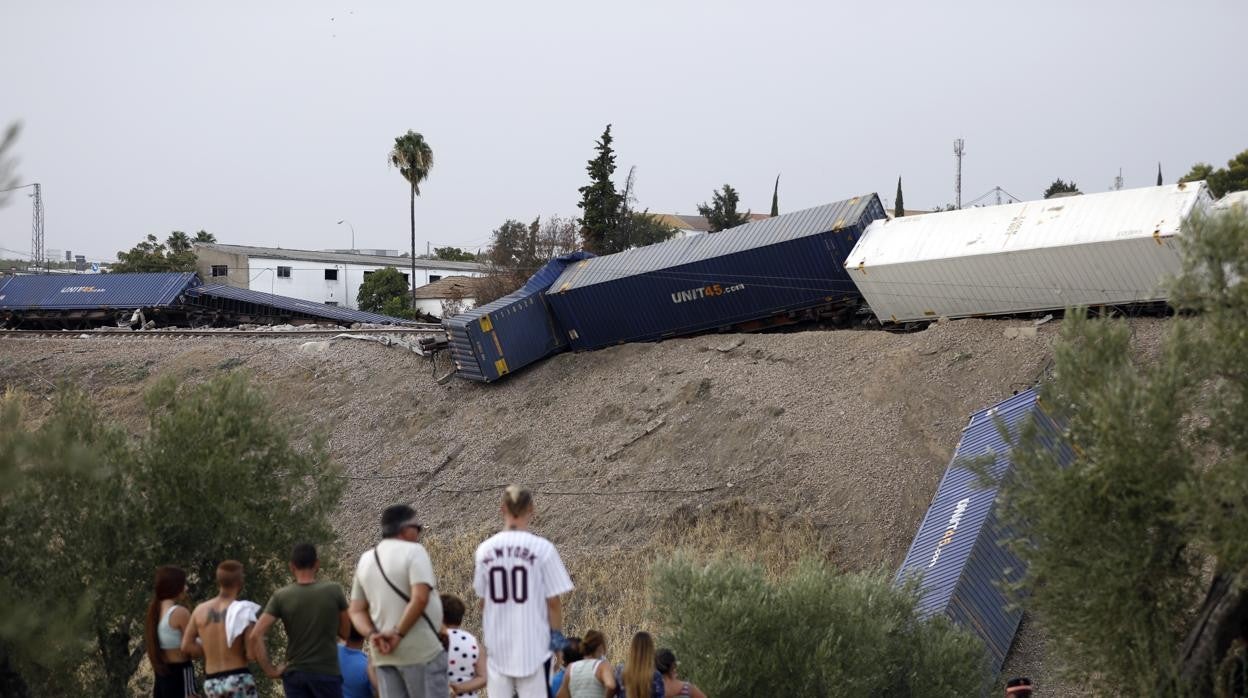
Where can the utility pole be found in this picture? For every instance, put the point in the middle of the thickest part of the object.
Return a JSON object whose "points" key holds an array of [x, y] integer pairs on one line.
{"points": [[958, 143], [1118, 180]]}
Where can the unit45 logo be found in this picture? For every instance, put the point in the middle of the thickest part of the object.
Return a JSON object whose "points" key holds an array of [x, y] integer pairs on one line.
{"points": [[708, 291]]}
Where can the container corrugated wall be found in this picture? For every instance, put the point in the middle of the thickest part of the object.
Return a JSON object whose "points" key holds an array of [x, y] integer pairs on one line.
{"points": [[502, 336], [756, 271], [1094, 249], [95, 291], [957, 555]]}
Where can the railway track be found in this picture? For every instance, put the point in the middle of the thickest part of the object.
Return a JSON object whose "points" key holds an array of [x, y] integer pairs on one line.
{"points": [[426, 328]]}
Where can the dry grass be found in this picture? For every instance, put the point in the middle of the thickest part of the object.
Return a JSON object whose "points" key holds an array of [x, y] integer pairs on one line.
{"points": [[613, 593]]}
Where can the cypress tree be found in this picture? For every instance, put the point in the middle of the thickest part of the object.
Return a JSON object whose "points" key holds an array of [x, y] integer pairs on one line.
{"points": [[1159, 174], [775, 198], [899, 209], [600, 202]]}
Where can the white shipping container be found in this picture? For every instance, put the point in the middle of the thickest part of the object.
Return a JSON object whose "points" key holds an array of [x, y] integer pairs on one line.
{"points": [[1111, 248]]}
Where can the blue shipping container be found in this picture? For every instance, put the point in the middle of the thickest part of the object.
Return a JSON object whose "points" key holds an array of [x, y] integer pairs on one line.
{"points": [[957, 555], [95, 291], [494, 339], [794, 262], [268, 304]]}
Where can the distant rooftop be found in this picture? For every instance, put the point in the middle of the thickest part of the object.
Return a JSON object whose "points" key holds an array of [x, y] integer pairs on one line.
{"points": [[451, 287], [696, 223], [339, 257]]}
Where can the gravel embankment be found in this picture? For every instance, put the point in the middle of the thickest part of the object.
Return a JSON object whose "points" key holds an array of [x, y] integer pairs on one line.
{"points": [[850, 430]]}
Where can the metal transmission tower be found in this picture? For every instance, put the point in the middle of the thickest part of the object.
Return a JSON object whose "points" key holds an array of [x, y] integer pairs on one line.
{"points": [[37, 253], [957, 182], [36, 230]]}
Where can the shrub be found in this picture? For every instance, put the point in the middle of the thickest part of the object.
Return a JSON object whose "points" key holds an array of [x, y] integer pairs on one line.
{"points": [[813, 632]]}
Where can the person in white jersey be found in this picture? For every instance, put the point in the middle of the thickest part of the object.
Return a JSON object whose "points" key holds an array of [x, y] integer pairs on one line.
{"points": [[519, 578]]}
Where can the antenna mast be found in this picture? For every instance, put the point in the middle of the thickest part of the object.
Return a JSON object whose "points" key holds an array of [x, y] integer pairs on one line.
{"points": [[36, 230], [1118, 180], [957, 182]]}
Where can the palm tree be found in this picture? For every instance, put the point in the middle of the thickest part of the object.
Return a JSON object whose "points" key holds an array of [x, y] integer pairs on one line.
{"points": [[414, 158], [178, 242], [205, 236]]}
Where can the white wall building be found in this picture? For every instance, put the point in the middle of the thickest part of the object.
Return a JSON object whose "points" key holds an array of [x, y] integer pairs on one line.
{"points": [[324, 277]]}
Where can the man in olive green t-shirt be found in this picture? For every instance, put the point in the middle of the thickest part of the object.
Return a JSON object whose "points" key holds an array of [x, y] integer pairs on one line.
{"points": [[314, 614]]}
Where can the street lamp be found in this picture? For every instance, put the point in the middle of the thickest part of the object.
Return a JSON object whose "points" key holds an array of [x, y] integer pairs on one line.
{"points": [[352, 227]]}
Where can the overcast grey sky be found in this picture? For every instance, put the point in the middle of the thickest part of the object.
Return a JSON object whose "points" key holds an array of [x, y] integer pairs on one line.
{"points": [[266, 122]]}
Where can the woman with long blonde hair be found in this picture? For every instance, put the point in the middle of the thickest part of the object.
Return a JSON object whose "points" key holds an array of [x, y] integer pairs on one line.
{"points": [[641, 679]]}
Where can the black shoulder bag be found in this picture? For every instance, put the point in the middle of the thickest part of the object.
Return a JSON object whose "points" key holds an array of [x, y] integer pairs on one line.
{"points": [[442, 637]]}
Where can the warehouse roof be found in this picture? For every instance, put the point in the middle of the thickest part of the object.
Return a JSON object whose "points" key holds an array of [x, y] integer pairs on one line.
{"points": [[340, 257]]}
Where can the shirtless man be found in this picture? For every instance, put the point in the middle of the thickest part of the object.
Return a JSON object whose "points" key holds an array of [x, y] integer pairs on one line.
{"points": [[225, 661]]}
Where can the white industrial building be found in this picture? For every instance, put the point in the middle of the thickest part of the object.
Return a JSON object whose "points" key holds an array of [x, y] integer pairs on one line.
{"points": [[332, 277]]}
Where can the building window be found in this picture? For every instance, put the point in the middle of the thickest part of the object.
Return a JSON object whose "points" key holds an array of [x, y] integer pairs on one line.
{"points": [[367, 273], [331, 274], [435, 277], [220, 270], [331, 302], [283, 272]]}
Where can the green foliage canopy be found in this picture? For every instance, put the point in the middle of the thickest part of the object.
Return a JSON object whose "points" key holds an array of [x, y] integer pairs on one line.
{"points": [[816, 632], [1060, 186], [453, 254], [722, 213], [87, 513], [1233, 177], [379, 288], [176, 253], [1119, 542]]}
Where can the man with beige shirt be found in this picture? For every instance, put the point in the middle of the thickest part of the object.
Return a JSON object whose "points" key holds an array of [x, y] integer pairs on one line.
{"points": [[394, 605]]}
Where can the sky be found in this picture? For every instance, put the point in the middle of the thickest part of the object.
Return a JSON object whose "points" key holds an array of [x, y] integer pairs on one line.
{"points": [[265, 123]]}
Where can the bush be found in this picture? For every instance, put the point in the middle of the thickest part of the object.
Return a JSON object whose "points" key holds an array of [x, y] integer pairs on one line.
{"points": [[382, 287], [813, 632], [87, 513]]}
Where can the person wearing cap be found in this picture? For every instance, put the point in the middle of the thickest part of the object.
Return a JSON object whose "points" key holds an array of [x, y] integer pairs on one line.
{"points": [[394, 605], [1018, 688]]}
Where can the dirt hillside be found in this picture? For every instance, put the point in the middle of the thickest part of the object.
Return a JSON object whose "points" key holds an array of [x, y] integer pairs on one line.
{"points": [[845, 431]]}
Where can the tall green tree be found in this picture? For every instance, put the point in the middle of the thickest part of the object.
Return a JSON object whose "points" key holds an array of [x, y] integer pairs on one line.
{"points": [[151, 255], [213, 476], [205, 236], [775, 198], [600, 203], [1059, 186], [1146, 519], [1159, 179], [379, 288], [722, 213], [899, 208], [414, 158]]}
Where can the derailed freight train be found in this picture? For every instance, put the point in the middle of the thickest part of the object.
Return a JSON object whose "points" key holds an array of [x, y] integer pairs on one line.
{"points": [[1115, 248], [776, 271]]}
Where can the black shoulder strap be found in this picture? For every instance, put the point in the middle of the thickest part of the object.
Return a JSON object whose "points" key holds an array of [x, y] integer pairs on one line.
{"points": [[405, 597], [382, 570]]}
